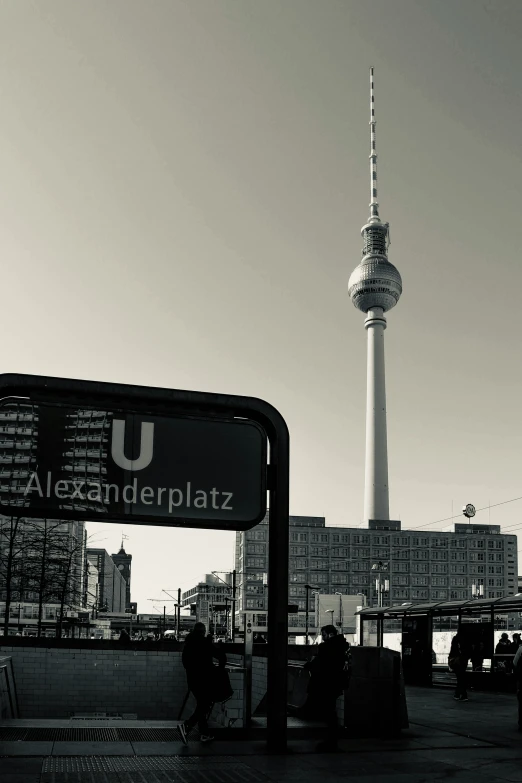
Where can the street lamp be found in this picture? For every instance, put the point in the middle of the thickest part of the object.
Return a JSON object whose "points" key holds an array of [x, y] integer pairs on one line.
{"points": [[380, 568], [308, 588], [340, 610]]}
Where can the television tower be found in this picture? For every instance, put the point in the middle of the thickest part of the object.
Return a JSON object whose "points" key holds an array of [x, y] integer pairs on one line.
{"points": [[374, 287]]}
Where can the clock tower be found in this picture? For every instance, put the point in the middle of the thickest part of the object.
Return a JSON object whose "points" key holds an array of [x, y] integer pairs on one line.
{"points": [[123, 563]]}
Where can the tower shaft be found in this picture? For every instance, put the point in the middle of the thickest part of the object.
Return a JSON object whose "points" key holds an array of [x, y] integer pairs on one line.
{"points": [[376, 493]]}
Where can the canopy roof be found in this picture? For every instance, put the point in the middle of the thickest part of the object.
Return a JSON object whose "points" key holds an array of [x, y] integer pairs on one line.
{"points": [[510, 603]]}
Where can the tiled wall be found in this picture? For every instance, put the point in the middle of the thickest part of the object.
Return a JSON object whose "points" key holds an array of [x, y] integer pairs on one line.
{"points": [[54, 683]]}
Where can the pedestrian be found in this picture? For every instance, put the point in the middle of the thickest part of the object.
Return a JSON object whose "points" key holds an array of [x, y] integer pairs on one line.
{"points": [[458, 663], [197, 658], [503, 645], [124, 636], [329, 672], [515, 644], [517, 669], [477, 656]]}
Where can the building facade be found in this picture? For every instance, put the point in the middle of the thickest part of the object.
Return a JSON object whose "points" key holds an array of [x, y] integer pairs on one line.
{"points": [[112, 587], [419, 565], [123, 563], [210, 602]]}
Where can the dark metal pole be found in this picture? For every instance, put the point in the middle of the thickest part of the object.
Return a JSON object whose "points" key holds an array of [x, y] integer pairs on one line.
{"points": [[306, 611], [164, 620], [234, 604], [178, 623], [279, 500]]}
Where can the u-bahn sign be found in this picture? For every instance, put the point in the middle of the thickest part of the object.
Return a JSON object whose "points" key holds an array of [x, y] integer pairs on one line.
{"points": [[79, 450]]}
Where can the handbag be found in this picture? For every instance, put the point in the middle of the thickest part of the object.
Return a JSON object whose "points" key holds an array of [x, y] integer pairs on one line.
{"points": [[221, 688], [454, 662]]}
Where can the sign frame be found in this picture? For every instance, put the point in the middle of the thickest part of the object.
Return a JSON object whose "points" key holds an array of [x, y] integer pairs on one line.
{"points": [[211, 405], [165, 520]]}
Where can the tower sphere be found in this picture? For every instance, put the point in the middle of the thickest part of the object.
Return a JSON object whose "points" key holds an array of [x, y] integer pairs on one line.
{"points": [[375, 283]]}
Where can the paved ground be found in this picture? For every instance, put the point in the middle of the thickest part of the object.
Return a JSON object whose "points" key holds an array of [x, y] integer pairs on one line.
{"points": [[473, 742]]}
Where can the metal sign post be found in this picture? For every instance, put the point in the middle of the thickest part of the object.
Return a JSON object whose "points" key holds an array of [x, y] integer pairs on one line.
{"points": [[161, 457], [247, 662]]}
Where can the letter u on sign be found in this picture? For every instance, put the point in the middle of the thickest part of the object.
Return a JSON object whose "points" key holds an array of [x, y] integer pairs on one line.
{"points": [[118, 446]]}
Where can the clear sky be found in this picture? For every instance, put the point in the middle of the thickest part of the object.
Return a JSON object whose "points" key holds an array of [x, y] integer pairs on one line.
{"points": [[182, 190]]}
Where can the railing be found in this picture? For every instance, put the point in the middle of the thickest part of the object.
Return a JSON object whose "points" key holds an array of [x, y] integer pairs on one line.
{"points": [[8, 695]]}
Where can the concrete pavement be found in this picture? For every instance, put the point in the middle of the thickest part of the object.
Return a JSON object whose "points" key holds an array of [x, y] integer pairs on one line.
{"points": [[471, 742]]}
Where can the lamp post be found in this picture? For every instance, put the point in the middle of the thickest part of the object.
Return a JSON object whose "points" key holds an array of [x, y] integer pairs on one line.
{"points": [[307, 588], [380, 568], [317, 613], [340, 611], [331, 613]]}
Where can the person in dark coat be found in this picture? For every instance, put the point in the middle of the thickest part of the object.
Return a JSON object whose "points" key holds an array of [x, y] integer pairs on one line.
{"points": [[458, 663], [197, 658], [326, 682], [517, 669]]}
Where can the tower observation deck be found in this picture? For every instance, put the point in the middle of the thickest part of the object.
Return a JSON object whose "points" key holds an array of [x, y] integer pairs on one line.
{"points": [[374, 287]]}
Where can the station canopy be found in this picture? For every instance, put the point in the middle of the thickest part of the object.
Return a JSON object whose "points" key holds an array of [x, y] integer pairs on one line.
{"points": [[510, 603]]}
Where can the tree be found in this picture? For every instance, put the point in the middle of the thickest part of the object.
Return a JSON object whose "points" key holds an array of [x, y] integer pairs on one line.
{"points": [[14, 543]]}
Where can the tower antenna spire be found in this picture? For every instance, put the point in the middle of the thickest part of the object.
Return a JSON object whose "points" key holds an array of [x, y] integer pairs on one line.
{"points": [[374, 204]]}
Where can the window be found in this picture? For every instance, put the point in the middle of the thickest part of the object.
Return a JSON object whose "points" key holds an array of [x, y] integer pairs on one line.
{"points": [[439, 542], [335, 538], [361, 552], [400, 540], [255, 562], [420, 554], [256, 549], [339, 579], [419, 594], [458, 595], [400, 593], [458, 556], [439, 581], [419, 580], [255, 603], [357, 565], [300, 576], [339, 565], [401, 554], [439, 568], [380, 553], [360, 579], [345, 538], [419, 541], [401, 580], [319, 565], [457, 581], [321, 578], [319, 551], [360, 539], [420, 568], [400, 567], [295, 591], [298, 550], [436, 555], [381, 540], [439, 595], [339, 551], [457, 568], [319, 537]]}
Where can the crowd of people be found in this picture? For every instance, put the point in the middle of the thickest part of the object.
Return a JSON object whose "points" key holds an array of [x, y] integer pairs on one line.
{"points": [[330, 671], [462, 652]]}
